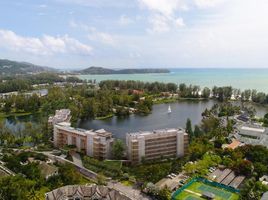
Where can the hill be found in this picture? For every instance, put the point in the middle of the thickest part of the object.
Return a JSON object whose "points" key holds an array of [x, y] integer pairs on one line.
{"points": [[8, 67], [101, 70]]}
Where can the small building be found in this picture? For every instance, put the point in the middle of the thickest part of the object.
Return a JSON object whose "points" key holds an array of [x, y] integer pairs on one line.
{"points": [[243, 117], [47, 170], [62, 115], [138, 92], [234, 144]]}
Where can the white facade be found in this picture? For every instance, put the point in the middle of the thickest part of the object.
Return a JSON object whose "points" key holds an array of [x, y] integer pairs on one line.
{"points": [[155, 144]]}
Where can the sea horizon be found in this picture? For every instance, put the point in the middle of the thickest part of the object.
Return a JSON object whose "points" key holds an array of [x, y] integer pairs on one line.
{"points": [[239, 78]]}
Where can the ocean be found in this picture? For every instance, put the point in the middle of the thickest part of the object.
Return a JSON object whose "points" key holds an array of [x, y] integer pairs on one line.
{"points": [[237, 78]]}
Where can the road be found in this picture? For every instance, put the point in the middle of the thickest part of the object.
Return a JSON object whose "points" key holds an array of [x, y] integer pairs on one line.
{"points": [[131, 192]]}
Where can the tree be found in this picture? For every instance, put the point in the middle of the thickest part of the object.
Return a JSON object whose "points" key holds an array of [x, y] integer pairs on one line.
{"points": [[7, 106], [197, 131], [164, 194], [189, 129], [15, 187], [118, 149], [253, 190], [206, 93]]}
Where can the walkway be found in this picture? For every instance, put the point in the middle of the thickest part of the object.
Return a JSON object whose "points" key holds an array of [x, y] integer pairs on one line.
{"points": [[131, 192], [86, 172], [77, 159]]}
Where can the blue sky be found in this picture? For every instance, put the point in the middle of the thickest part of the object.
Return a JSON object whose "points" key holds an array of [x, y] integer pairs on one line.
{"points": [[135, 33]]}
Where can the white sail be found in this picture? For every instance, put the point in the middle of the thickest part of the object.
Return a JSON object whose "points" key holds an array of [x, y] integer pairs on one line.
{"points": [[169, 109]]}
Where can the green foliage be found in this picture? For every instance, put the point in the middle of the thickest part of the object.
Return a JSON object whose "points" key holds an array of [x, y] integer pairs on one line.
{"points": [[118, 149], [155, 87], [201, 166], [222, 93], [111, 169], [191, 91], [15, 187], [253, 190], [189, 129], [151, 172]]}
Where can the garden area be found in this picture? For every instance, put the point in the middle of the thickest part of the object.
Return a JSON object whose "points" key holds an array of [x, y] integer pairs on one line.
{"points": [[108, 168]]}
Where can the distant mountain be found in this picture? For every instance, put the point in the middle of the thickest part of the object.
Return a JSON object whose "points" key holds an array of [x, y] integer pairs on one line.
{"points": [[8, 67], [101, 70]]}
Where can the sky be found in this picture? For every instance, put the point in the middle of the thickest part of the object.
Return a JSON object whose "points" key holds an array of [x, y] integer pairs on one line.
{"points": [[74, 34]]}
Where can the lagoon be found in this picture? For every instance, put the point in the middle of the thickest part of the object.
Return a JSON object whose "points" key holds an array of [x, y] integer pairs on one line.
{"points": [[158, 119]]}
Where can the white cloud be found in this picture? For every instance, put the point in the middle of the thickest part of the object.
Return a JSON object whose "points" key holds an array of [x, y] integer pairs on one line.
{"points": [[165, 7], [179, 22], [164, 14], [159, 24], [208, 3], [124, 20], [94, 34], [102, 37], [45, 45]]}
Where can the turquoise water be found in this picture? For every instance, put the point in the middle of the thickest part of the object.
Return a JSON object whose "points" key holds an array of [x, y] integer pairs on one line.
{"points": [[237, 78]]}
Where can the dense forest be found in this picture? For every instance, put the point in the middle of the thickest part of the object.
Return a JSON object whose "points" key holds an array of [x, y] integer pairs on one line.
{"points": [[8, 67], [101, 70], [25, 82]]}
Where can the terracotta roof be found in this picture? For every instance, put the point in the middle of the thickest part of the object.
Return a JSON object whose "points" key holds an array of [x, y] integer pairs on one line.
{"points": [[234, 144]]}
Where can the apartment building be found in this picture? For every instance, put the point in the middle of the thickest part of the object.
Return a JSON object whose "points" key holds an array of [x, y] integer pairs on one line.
{"points": [[156, 144], [96, 144]]}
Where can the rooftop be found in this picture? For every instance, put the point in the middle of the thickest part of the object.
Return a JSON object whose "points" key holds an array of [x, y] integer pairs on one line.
{"points": [[63, 115], [67, 127], [234, 144], [87, 192], [156, 132]]}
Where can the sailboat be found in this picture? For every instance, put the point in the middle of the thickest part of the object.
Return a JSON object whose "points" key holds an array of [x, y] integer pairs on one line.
{"points": [[169, 109]]}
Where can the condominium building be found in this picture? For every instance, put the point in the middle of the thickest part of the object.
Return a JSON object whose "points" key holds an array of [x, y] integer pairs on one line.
{"points": [[156, 144], [96, 144]]}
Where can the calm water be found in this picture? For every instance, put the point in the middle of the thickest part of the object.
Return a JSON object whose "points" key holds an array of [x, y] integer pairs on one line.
{"points": [[237, 78], [158, 119]]}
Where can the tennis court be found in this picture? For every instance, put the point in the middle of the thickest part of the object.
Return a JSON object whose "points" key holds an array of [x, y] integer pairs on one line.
{"points": [[218, 192], [195, 189]]}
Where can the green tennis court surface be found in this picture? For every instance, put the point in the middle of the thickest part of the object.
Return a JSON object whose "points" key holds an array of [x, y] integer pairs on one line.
{"points": [[218, 192], [195, 190]]}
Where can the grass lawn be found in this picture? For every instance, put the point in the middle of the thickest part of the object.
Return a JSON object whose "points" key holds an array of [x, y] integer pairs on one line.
{"points": [[15, 114], [127, 183], [187, 196], [113, 163], [104, 117], [199, 187], [107, 167]]}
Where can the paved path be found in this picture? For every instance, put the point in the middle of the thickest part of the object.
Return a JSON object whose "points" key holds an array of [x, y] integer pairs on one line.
{"points": [[6, 170], [86, 172], [77, 159], [131, 192]]}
